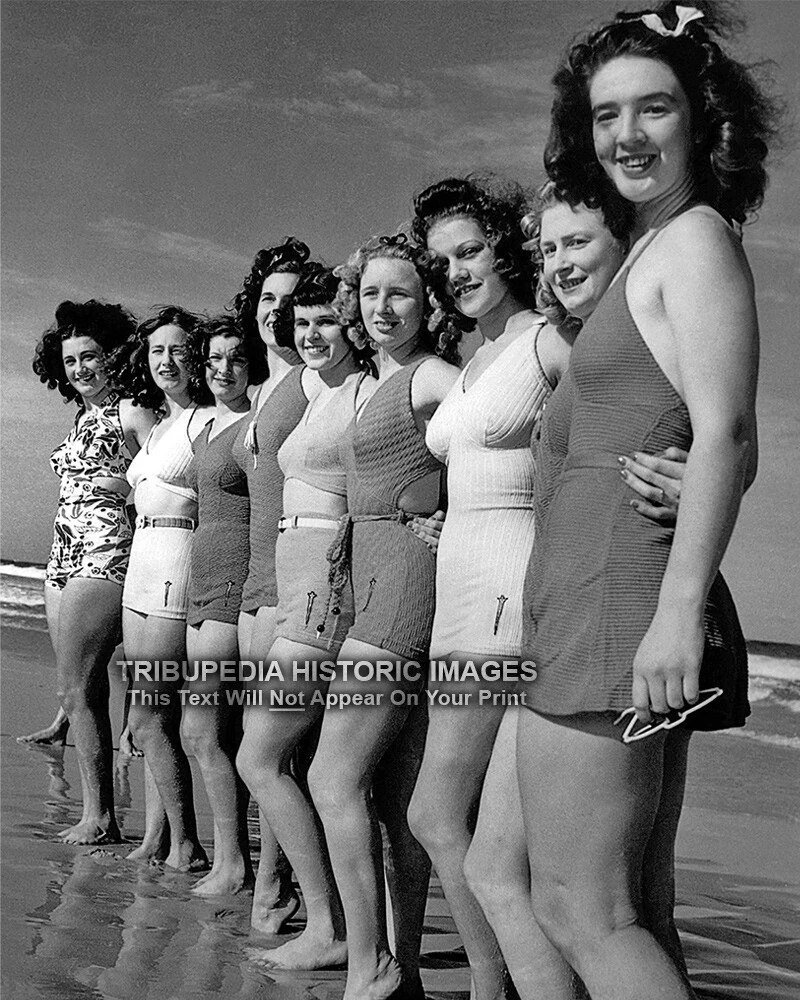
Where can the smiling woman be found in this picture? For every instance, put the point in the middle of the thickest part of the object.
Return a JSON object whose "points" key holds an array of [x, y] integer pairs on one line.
{"points": [[616, 613], [92, 539], [311, 622], [155, 597], [229, 360]]}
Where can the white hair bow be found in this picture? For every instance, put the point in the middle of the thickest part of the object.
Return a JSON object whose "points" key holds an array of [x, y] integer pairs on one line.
{"points": [[685, 16]]}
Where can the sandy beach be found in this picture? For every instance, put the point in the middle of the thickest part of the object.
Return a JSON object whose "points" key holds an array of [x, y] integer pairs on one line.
{"points": [[86, 923]]}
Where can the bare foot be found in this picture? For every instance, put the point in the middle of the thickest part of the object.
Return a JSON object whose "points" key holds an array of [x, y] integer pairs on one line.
{"points": [[126, 745], [386, 984], [92, 832], [270, 919], [302, 953], [188, 856], [148, 851], [56, 732], [224, 882]]}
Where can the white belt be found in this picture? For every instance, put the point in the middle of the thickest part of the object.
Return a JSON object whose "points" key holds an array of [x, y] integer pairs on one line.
{"points": [[308, 522]]}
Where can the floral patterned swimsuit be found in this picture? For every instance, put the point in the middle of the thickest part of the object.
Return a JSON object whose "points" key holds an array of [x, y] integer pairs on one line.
{"points": [[92, 534]]}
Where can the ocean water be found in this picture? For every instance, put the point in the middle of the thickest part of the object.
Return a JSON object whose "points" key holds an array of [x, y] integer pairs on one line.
{"points": [[774, 667], [82, 923]]}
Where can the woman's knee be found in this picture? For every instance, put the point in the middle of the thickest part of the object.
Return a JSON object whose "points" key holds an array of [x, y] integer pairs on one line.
{"points": [[489, 881], [334, 791], [435, 823], [199, 740], [578, 921], [254, 765], [147, 722]]}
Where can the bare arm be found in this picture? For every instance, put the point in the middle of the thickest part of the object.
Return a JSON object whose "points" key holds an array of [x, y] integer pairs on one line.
{"points": [[136, 422], [708, 302]]}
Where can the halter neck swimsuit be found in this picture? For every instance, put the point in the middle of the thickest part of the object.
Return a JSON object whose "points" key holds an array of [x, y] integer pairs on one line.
{"points": [[595, 574]]}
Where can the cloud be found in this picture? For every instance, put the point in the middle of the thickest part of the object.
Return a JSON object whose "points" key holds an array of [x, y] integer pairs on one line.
{"points": [[385, 92], [784, 239], [212, 97], [527, 78], [501, 122], [492, 113], [143, 239]]}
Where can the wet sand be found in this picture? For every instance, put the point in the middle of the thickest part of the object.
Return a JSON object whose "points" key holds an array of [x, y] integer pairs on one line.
{"points": [[84, 923]]}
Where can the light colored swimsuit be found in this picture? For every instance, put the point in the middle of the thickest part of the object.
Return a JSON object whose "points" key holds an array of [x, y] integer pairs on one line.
{"points": [[91, 533], [158, 576], [307, 611], [483, 433]]}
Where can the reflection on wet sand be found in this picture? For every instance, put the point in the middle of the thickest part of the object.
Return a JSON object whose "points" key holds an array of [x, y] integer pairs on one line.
{"points": [[83, 923]]}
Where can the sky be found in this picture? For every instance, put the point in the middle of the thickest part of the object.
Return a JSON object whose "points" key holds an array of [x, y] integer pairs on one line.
{"points": [[151, 148]]}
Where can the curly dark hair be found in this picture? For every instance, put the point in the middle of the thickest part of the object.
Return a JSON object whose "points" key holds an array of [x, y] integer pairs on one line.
{"points": [[442, 325], [129, 365], [288, 257], [109, 325], [733, 117], [225, 325], [618, 216], [498, 207], [317, 288]]}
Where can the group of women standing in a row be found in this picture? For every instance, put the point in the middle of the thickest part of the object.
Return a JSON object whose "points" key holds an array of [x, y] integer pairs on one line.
{"points": [[299, 522]]}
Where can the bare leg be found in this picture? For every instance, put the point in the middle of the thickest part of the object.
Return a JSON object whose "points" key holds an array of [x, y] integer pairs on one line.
{"points": [[264, 761], [498, 874], [155, 843], [408, 867], [211, 732], [589, 804], [658, 880], [352, 742], [56, 732], [169, 808], [443, 813], [274, 898], [88, 623]]}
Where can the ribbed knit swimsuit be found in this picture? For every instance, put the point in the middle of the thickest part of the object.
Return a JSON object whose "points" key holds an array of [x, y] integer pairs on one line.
{"points": [[308, 611], [158, 576], [221, 547], [268, 428], [393, 571], [595, 574], [484, 434]]}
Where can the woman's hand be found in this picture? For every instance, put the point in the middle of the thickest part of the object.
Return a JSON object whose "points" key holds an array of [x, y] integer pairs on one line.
{"points": [[429, 529], [666, 668], [657, 479]]}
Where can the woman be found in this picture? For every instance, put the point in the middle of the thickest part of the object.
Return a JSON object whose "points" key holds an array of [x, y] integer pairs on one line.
{"points": [[483, 431], [368, 757], [92, 539], [278, 403], [211, 726], [155, 597], [309, 626], [678, 131], [579, 255]]}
